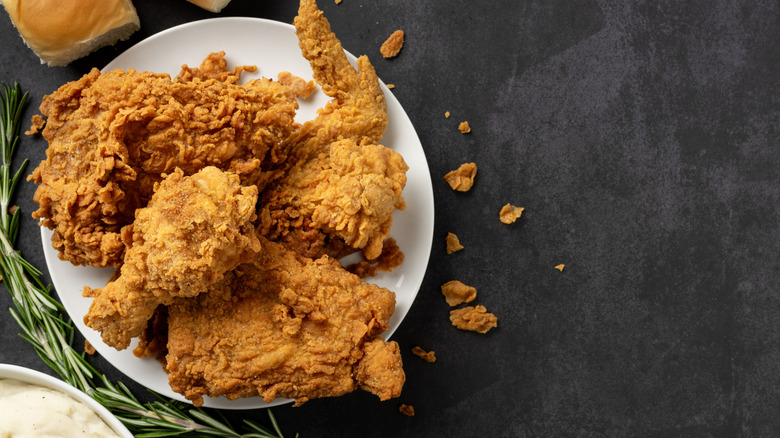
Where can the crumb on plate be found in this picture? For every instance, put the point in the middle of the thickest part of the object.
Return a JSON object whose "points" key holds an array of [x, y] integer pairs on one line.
{"points": [[89, 348], [560, 267], [464, 128]]}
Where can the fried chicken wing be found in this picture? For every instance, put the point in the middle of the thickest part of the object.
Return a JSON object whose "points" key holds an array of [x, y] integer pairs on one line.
{"points": [[284, 326], [112, 135], [194, 230], [337, 179], [358, 108]]}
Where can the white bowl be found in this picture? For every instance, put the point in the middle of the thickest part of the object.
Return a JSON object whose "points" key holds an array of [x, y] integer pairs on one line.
{"points": [[37, 378]]}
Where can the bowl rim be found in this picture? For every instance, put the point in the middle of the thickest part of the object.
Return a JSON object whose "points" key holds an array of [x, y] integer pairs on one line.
{"points": [[31, 376]]}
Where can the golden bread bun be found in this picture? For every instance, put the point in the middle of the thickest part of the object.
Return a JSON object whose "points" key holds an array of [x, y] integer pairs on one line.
{"points": [[59, 31]]}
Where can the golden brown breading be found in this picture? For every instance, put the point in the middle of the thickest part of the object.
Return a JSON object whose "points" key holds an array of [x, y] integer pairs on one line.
{"points": [[283, 326], [350, 192], [358, 108], [194, 230], [473, 318], [111, 136]]}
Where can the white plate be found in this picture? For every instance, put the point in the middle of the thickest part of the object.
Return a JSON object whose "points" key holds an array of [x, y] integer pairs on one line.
{"points": [[33, 377], [273, 48]]}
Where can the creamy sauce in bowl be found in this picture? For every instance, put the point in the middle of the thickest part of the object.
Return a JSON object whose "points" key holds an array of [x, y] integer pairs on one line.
{"points": [[29, 410]]}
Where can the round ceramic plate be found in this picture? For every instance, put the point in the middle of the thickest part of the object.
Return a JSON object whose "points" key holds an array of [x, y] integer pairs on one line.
{"points": [[273, 48]]}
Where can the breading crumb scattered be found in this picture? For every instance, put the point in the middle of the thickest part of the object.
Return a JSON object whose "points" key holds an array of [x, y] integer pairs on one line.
{"points": [[390, 86], [447, 115], [12, 209], [509, 213], [462, 178], [392, 46], [36, 124], [338, 2], [89, 348], [428, 356], [456, 293], [560, 267], [453, 243], [407, 410], [464, 128], [390, 258], [476, 319]]}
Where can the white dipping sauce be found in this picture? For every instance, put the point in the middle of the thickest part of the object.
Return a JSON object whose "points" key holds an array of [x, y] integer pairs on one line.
{"points": [[36, 411]]}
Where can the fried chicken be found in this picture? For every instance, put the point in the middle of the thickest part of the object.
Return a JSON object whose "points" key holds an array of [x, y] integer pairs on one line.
{"points": [[350, 193], [337, 179], [284, 326], [358, 108], [194, 230], [112, 135]]}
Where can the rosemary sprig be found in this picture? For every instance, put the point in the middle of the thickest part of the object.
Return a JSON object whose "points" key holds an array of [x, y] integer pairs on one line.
{"points": [[40, 317]]}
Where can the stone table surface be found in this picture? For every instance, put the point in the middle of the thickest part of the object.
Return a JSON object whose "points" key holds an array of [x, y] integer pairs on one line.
{"points": [[642, 139]]}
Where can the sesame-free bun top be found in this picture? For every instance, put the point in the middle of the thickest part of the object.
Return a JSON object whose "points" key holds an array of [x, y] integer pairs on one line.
{"points": [[60, 31]]}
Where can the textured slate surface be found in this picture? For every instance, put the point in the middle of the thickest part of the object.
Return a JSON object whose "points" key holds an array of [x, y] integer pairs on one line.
{"points": [[641, 138]]}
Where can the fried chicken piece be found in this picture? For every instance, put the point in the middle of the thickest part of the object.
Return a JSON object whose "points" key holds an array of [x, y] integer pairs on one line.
{"points": [[284, 326], [112, 135], [337, 178], [349, 193], [358, 108], [194, 230]]}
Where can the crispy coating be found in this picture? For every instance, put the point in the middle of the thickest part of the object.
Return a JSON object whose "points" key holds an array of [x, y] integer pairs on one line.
{"points": [[358, 108], [510, 213], [453, 243], [194, 230], [428, 356], [393, 44], [462, 178], [112, 135], [337, 179], [455, 292], [284, 326], [473, 318], [350, 193]]}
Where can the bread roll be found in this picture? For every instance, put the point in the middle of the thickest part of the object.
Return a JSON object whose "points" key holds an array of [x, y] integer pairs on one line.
{"points": [[211, 5], [59, 31]]}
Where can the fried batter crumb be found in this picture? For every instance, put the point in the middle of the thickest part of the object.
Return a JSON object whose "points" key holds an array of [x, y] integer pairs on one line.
{"points": [[36, 124], [428, 356], [12, 209], [407, 410], [89, 348], [338, 2], [462, 178], [392, 46], [464, 128], [390, 258], [456, 293], [390, 86], [509, 213], [474, 318], [446, 114], [453, 243], [560, 267]]}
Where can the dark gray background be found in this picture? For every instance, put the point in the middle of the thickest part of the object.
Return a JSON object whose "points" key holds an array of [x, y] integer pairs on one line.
{"points": [[641, 138]]}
